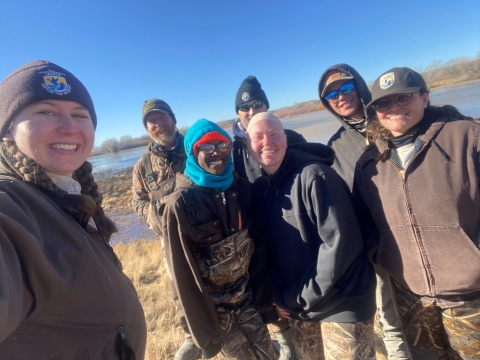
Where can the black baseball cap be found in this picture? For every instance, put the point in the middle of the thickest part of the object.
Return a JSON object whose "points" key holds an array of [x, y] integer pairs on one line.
{"points": [[400, 80]]}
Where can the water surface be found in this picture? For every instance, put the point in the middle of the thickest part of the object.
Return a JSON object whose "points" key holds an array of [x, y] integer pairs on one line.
{"points": [[318, 126]]}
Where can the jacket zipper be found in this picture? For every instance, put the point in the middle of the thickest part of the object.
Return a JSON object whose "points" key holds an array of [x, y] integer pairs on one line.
{"points": [[122, 333], [425, 262], [222, 211]]}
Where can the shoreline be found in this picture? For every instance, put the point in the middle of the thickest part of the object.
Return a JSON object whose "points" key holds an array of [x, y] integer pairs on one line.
{"points": [[291, 117]]}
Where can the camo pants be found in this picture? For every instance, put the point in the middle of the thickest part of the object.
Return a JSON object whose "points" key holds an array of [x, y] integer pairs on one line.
{"points": [[332, 341], [434, 333], [247, 337]]}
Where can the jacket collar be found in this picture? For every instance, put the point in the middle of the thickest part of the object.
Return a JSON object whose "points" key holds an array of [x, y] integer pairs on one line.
{"points": [[179, 149], [299, 155], [428, 130]]}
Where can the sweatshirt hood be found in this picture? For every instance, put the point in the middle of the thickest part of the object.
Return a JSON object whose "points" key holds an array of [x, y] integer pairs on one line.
{"points": [[360, 86], [301, 154]]}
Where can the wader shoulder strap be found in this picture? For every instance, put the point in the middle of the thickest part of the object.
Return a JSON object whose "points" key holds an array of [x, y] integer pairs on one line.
{"points": [[152, 184], [191, 208]]}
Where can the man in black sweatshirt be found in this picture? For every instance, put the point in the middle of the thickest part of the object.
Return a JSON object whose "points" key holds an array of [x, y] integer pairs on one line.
{"points": [[320, 272], [250, 100]]}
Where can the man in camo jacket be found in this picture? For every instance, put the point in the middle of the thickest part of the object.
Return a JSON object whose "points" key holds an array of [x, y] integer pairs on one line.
{"points": [[155, 171]]}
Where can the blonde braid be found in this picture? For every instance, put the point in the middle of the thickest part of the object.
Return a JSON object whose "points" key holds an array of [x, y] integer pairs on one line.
{"points": [[27, 168], [90, 188], [90, 201]]}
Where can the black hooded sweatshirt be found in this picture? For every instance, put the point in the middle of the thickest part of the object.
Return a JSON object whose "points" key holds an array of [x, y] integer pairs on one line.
{"points": [[320, 271], [245, 166], [347, 142]]}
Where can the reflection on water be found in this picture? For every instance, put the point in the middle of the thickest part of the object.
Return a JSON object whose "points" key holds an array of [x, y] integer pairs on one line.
{"points": [[317, 126], [117, 161]]}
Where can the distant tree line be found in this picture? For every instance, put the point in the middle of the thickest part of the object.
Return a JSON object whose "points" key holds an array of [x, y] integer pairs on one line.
{"points": [[114, 145], [125, 142], [454, 71], [436, 74]]}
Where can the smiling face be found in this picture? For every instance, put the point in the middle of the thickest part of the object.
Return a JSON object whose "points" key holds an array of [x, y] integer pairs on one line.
{"points": [[400, 118], [245, 116], [267, 143], [161, 128], [349, 105], [57, 134], [215, 162]]}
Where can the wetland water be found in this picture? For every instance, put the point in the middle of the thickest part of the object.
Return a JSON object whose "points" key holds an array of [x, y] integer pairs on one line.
{"points": [[318, 126]]}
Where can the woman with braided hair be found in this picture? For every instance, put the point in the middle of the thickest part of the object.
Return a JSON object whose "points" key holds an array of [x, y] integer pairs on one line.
{"points": [[63, 294]]}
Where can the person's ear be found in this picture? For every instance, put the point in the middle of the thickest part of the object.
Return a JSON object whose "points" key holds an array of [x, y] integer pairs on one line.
{"points": [[426, 99], [8, 135]]}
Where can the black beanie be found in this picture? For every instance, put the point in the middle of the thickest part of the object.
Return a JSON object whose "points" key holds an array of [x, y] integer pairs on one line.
{"points": [[250, 89], [40, 80], [156, 105]]}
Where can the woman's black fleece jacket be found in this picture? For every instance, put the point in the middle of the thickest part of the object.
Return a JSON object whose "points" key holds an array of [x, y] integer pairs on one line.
{"points": [[320, 271]]}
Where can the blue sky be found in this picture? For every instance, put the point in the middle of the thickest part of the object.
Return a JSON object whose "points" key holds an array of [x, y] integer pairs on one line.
{"points": [[195, 54]]}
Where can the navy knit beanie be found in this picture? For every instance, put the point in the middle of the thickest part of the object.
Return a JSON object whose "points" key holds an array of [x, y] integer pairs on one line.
{"points": [[36, 81], [250, 89]]}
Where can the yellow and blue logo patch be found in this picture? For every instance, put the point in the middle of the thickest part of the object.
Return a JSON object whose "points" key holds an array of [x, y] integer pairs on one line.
{"points": [[387, 80], [56, 83]]}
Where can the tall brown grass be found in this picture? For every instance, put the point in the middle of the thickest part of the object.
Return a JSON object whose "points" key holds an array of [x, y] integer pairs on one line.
{"points": [[143, 264]]}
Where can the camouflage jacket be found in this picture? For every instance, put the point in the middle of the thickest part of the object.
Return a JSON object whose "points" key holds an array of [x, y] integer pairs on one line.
{"points": [[214, 256], [164, 166]]}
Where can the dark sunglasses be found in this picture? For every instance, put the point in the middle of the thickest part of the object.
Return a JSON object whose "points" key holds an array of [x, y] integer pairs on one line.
{"points": [[384, 104], [246, 107], [345, 89], [209, 148]]}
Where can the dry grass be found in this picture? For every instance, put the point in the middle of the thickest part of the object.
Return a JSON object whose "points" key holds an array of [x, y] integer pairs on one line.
{"points": [[143, 263]]}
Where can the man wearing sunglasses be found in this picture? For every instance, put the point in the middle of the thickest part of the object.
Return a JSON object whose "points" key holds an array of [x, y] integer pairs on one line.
{"points": [[345, 94], [250, 100]]}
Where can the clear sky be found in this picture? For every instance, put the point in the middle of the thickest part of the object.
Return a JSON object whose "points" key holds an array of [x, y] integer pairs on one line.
{"points": [[194, 54]]}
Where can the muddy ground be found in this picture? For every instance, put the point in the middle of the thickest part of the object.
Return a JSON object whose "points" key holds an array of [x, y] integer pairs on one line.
{"points": [[116, 187]]}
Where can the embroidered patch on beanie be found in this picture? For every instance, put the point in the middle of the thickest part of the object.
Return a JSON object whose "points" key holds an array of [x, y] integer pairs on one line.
{"points": [[55, 82], [40, 80]]}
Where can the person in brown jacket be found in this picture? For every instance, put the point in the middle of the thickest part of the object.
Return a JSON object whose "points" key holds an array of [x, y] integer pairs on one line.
{"points": [[63, 294], [421, 185], [216, 262]]}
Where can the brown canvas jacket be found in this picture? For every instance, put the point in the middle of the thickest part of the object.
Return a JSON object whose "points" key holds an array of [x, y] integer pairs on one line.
{"points": [[164, 166], [63, 294], [195, 228], [428, 215]]}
